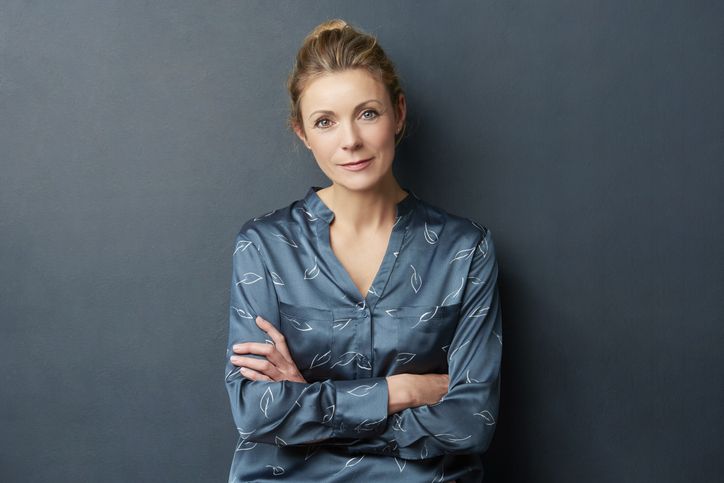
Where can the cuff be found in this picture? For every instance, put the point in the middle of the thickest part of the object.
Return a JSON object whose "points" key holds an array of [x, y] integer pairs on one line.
{"points": [[361, 407]]}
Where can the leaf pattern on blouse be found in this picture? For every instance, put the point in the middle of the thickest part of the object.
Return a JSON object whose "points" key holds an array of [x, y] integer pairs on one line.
{"points": [[415, 280], [312, 272], [487, 416], [430, 236], [286, 240], [351, 462], [346, 344]]}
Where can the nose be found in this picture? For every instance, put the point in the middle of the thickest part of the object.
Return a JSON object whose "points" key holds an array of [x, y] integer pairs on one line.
{"points": [[352, 139]]}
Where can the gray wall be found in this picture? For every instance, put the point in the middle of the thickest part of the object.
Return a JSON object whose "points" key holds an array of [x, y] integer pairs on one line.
{"points": [[136, 137]]}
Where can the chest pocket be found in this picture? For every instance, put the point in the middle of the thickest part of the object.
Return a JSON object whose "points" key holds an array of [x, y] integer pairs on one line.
{"points": [[308, 333], [424, 335]]}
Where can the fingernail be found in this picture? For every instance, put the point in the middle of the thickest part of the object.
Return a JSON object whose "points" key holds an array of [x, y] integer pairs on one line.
{"points": [[237, 347], [235, 359], [243, 370]]}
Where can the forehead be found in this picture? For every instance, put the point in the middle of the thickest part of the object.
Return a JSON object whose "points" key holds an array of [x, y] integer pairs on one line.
{"points": [[343, 90]]}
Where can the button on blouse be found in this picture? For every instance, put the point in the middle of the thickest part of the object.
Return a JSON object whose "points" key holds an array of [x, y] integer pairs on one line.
{"points": [[433, 307]]}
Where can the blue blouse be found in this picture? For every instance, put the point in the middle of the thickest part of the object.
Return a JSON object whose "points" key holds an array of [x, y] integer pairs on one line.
{"points": [[433, 308]]}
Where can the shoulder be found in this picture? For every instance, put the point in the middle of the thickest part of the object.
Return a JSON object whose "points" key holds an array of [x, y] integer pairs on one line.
{"points": [[281, 222], [454, 226]]}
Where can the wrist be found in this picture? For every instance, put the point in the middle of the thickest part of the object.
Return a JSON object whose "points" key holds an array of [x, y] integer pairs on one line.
{"points": [[399, 395]]}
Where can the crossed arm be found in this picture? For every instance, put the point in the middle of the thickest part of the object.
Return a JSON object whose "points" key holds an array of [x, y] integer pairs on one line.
{"points": [[405, 391]]}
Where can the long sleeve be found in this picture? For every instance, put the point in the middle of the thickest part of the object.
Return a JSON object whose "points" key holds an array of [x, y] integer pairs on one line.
{"points": [[464, 421], [288, 413]]}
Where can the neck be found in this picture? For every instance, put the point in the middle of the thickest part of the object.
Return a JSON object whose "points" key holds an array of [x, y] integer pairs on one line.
{"points": [[362, 210]]}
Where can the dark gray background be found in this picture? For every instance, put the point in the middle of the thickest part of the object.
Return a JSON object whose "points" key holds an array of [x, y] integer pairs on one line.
{"points": [[137, 136]]}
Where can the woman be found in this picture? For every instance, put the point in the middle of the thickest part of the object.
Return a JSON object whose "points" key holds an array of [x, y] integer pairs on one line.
{"points": [[365, 333]]}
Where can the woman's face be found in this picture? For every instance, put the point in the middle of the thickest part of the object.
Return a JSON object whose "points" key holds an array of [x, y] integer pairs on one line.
{"points": [[349, 123]]}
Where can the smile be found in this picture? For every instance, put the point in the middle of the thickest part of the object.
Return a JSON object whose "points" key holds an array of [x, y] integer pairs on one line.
{"points": [[356, 165]]}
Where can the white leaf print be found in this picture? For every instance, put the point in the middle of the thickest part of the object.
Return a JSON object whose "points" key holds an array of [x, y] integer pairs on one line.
{"points": [[279, 441], [309, 216], [328, 417], [475, 280], [361, 305], [312, 272], [453, 352], [249, 278], [401, 466], [397, 424], [451, 438], [373, 291], [302, 327], [426, 317], [242, 313], [500, 339], [245, 434], [479, 312], [430, 236], [346, 358], [441, 478], [242, 245], [483, 247], [231, 373], [405, 357], [340, 324], [445, 348], [361, 391], [320, 360], [368, 426], [270, 342], [362, 363], [245, 445], [463, 254], [391, 312], [467, 378], [285, 240], [264, 216], [424, 452], [276, 470], [415, 280], [277, 279], [487, 416], [395, 254], [350, 462], [396, 221], [266, 399], [311, 451], [456, 292]]}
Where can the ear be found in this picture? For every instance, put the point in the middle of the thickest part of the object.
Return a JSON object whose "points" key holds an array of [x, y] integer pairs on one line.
{"points": [[300, 133], [400, 112]]}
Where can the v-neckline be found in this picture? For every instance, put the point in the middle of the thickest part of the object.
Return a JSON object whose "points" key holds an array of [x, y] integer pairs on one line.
{"points": [[340, 274]]}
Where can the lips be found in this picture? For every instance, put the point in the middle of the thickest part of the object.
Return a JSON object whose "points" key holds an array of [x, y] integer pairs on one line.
{"points": [[356, 165]]}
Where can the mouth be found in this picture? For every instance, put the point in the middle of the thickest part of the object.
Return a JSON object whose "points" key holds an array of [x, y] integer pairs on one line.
{"points": [[356, 165]]}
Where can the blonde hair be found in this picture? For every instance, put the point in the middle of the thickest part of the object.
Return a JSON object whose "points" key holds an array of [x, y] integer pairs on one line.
{"points": [[335, 47]]}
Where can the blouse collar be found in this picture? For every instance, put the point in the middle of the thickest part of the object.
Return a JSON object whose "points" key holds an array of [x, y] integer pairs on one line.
{"points": [[316, 206]]}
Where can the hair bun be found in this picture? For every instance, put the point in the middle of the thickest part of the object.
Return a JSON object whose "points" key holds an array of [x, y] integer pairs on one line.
{"points": [[329, 25]]}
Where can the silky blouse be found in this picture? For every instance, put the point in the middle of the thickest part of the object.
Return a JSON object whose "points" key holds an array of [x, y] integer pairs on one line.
{"points": [[433, 308]]}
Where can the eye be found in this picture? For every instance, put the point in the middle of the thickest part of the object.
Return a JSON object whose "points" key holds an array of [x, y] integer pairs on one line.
{"points": [[369, 114], [323, 123]]}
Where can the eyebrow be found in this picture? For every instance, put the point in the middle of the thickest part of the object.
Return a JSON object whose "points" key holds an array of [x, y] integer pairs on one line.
{"points": [[357, 107]]}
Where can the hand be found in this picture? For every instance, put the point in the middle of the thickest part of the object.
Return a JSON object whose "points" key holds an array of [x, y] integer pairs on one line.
{"points": [[414, 390], [278, 365]]}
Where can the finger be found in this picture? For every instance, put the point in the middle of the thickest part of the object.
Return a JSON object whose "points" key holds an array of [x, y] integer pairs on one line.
{"points": [[268, 351], [253, 375], [262, 366], [256, 348], [276, 337]]}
